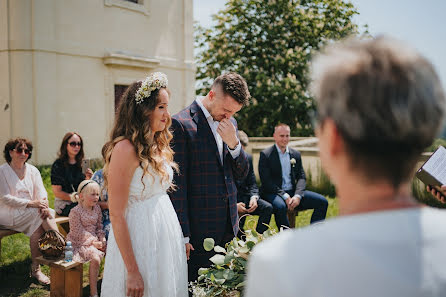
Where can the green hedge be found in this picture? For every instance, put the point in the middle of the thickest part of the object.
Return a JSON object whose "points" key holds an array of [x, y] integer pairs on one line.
{"points": [[45, 172], [437, 142]]}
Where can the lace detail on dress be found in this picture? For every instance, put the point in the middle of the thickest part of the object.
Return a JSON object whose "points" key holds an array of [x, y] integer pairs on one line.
{"points": [[157, 242]]}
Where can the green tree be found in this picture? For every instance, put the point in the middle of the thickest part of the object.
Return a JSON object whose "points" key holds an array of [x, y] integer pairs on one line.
{"points": [[270, 43]]}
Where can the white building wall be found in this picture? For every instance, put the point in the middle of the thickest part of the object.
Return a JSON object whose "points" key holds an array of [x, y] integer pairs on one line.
{"points": [[60, 60]]}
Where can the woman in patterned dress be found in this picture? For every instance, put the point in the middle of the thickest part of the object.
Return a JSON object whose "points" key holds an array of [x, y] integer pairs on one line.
{"points": [[86, 233]]}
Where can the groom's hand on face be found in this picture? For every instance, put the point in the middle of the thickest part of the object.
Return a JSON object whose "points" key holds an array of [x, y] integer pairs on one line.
{"points": [[228, 133], [189, 247]]}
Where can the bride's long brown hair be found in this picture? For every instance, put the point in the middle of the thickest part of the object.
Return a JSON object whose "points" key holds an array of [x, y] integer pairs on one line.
{"points": [[132, 122]]}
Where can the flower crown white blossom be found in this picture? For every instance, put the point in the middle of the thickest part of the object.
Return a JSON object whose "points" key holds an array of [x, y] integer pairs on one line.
{"points": [[156, 80]]}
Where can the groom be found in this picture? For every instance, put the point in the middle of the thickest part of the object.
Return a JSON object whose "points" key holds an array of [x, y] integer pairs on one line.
{"points": [[210, 159]]}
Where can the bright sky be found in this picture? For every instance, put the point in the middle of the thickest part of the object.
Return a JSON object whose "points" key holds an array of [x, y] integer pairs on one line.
{"points": [[421, 24]]}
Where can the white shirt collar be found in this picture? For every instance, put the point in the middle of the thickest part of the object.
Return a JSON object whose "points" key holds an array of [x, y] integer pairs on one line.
{"points": [[280, 151], [203, 108]]}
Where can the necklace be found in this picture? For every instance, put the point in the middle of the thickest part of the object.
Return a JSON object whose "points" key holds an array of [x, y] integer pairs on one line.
{"points": [[19, 171]]}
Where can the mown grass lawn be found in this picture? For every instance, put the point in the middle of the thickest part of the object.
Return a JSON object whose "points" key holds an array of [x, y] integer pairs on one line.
{"points": [[16, 260], [16, 257], [303, 218]]}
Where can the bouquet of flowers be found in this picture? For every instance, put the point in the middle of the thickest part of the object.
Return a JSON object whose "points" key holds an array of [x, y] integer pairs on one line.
{"points": [[226, 276]]}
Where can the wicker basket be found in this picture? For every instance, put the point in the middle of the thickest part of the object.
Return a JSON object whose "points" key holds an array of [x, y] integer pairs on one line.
{"points": [[233, 293], [52, 244]]}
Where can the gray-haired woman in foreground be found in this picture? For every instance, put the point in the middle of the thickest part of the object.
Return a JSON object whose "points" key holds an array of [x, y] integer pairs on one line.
{"points": [[380, 104]]}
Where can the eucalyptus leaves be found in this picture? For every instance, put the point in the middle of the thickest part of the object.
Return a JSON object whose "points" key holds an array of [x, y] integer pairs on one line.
{"points": [[226, 277]]}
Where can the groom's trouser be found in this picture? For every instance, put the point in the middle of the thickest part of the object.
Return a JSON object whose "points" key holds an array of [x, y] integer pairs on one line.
{"points": [[200, 258]]}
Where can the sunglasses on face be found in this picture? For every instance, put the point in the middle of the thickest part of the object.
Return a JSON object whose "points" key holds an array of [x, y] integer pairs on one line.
{"points": [[20, 150], [74, 144]]}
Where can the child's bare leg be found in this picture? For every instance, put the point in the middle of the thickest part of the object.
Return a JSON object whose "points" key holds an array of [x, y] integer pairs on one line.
{"points": [[94, 271]]}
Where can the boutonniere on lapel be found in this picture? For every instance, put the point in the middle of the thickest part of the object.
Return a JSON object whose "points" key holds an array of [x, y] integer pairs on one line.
{"points": [[293, 162]]}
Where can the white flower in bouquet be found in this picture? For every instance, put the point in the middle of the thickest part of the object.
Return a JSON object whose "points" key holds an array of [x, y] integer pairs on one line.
{"points": [[226, 276]]}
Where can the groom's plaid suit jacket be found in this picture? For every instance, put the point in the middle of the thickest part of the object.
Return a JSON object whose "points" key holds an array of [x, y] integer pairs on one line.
{"points": [[206, 187]]}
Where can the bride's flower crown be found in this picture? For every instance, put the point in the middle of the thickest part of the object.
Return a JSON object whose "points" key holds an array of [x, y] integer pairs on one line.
{"points": [[156, 80]]}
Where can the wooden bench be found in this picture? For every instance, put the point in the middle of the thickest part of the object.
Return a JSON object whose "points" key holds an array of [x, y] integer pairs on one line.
{"points": [[62, 224], [292, 217], [3, 233], [66, 277]]}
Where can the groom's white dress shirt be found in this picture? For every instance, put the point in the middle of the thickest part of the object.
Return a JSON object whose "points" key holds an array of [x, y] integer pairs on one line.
{"points": [[214, 125]]}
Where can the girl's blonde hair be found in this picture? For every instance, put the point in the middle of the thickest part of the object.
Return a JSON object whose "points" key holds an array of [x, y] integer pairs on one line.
{"points": [[84, 187], [132, 122]]}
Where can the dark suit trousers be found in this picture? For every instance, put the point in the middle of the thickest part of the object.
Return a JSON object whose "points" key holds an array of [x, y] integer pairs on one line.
{"points": [[264, 210], [311, 200], [200, 258]]}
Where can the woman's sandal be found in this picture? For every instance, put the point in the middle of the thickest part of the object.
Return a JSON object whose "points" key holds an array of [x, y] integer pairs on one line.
{"points": [[39, 275]]}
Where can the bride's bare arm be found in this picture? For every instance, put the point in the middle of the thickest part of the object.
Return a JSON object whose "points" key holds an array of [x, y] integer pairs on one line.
{"points": [[123, 163]]}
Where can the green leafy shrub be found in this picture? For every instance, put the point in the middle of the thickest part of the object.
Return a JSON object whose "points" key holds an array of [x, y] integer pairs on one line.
{"points": [[45, 172], [226, 276], [321, 185], [437, 142]]}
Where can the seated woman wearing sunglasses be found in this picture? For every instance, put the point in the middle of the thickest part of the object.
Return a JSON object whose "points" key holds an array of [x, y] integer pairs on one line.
{"points": [[24, 200], [66, 172]]}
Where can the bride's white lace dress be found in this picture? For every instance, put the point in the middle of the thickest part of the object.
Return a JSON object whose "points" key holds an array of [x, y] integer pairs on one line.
{"points": [[157, 242]]}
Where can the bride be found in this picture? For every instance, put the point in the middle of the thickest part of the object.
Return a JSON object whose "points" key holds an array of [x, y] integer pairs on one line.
{"points": [[145, 253]]}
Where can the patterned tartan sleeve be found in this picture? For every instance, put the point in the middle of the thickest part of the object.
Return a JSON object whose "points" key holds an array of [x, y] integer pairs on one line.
{"points": [[240, 166], [179, 197]]}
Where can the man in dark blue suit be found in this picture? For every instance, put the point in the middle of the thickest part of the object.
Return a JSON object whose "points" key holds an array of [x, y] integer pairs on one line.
{"points": [[210, 159], [248, 198], [283, 180]]}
